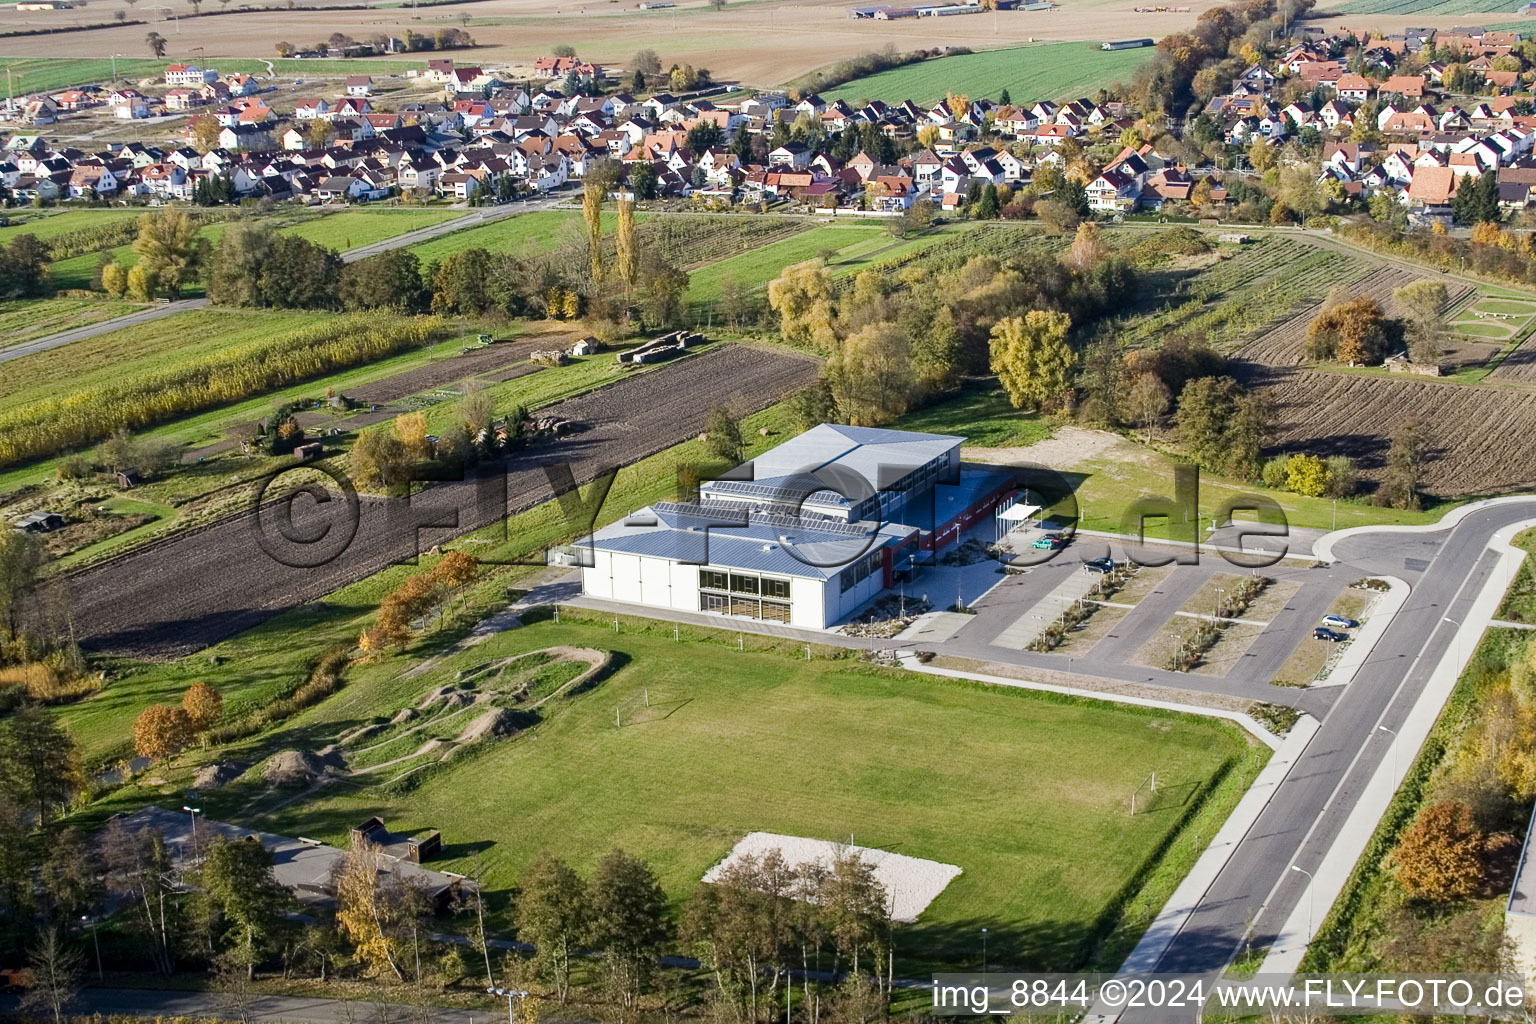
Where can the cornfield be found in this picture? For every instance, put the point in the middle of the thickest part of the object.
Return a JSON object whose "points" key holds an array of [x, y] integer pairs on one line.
{"points": [[52, 425]]}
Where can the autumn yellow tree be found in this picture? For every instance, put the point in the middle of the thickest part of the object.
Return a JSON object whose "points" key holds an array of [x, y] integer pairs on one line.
{"points": [[411, 431], [203, 704], [1306, 474], [592, 214], [1441, 855], [203, 132], [1031, 356], [627, 255], [169, 250], [161, 731], [1088, 248], [871, 374], [364, 913], [802, 296]]}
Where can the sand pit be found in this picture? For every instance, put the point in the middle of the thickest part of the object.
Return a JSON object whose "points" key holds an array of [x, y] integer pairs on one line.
{"points": [[912, 883]]}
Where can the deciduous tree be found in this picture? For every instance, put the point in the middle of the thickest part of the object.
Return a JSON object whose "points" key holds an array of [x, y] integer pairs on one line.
{"points": [[1441, 855], [169, 249], [203, 704], [552, 914], [1031, 356], [627, 923], [161, 731]]}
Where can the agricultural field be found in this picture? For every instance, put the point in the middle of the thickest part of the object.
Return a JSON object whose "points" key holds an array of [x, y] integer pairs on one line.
{"points": [[1047, 72], [1339, 413], [1286, 344], [1237, 295], [541, 230], [34, 74], [1429, 8], [136, 349], [842, 748], [26, 319], [45, 224]]}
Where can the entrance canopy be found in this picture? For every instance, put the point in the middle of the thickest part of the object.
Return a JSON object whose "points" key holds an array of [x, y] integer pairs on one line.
{"points": [[1018, 513]]}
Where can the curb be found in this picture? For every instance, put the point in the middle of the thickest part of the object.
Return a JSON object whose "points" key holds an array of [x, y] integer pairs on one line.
{"points": [[1339, 862]]}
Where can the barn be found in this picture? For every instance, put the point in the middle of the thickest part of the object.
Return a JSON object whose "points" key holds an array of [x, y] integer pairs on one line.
{"points": [[806, 534]]}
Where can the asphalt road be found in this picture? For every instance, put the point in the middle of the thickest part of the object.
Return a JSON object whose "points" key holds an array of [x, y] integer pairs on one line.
{"points": [[480, 215], [1309, 809]]}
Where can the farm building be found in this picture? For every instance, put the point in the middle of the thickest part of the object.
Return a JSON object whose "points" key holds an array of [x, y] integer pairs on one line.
{"points": [[1126, 44], [807, 534]]}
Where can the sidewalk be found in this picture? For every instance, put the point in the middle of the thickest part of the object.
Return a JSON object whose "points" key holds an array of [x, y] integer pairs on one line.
{"points": [[1333, 873]]}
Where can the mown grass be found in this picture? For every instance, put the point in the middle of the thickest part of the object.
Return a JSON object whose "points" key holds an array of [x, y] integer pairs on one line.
{"points": [[353, 229], [1046, 72], [753, 270], [26, 319], [541, 230], [112, 356], [46, 224]]}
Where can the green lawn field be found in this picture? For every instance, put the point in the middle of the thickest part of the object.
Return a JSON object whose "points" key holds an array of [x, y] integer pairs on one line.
{"points": [[34, 74], [756, 268], [138, 348], [26, 319], [1046, 72], [749, 741], [542, 229]]}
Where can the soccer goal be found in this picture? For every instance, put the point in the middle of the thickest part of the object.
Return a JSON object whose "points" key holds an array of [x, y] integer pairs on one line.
{"points": [[646, 706], [1141, 796]]}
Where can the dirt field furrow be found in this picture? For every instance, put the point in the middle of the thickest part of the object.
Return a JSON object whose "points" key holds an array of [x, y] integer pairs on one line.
{"points": [[1482, 439], [195, 589]]}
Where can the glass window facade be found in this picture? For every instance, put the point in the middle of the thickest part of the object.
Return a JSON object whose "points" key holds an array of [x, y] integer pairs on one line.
{"points": [[737, 593]]}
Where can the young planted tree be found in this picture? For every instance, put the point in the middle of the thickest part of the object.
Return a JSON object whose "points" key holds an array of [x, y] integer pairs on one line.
{"points": [[56, 974], [552, 913]]}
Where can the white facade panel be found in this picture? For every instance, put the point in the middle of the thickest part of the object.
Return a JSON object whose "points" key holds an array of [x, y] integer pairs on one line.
{"points": [[656, 582], [597, 579], [626, 578], [685, 587], [807, 606]]}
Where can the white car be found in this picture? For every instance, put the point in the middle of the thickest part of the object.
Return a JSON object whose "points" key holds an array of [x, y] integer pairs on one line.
{"points": [[1339, 622]]}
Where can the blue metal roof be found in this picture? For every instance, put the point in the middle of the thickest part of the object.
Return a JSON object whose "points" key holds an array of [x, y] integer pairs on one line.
{"points": [[728, 536], [863, 450]]}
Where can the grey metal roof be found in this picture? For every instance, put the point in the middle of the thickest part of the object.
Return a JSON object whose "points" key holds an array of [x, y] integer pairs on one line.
{"points": [[863, 450], [729, 536]]}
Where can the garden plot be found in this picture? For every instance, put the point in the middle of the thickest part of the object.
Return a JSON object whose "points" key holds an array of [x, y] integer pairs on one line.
{"points": [[910, 883]]}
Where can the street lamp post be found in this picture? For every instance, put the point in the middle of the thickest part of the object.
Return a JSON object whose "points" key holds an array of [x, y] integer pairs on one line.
{"points": [[95, 942], [983, 951], [509, 993], [1221, 603], [1447, 618], [1311, 897], [1394, 751], [194, 812]]}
